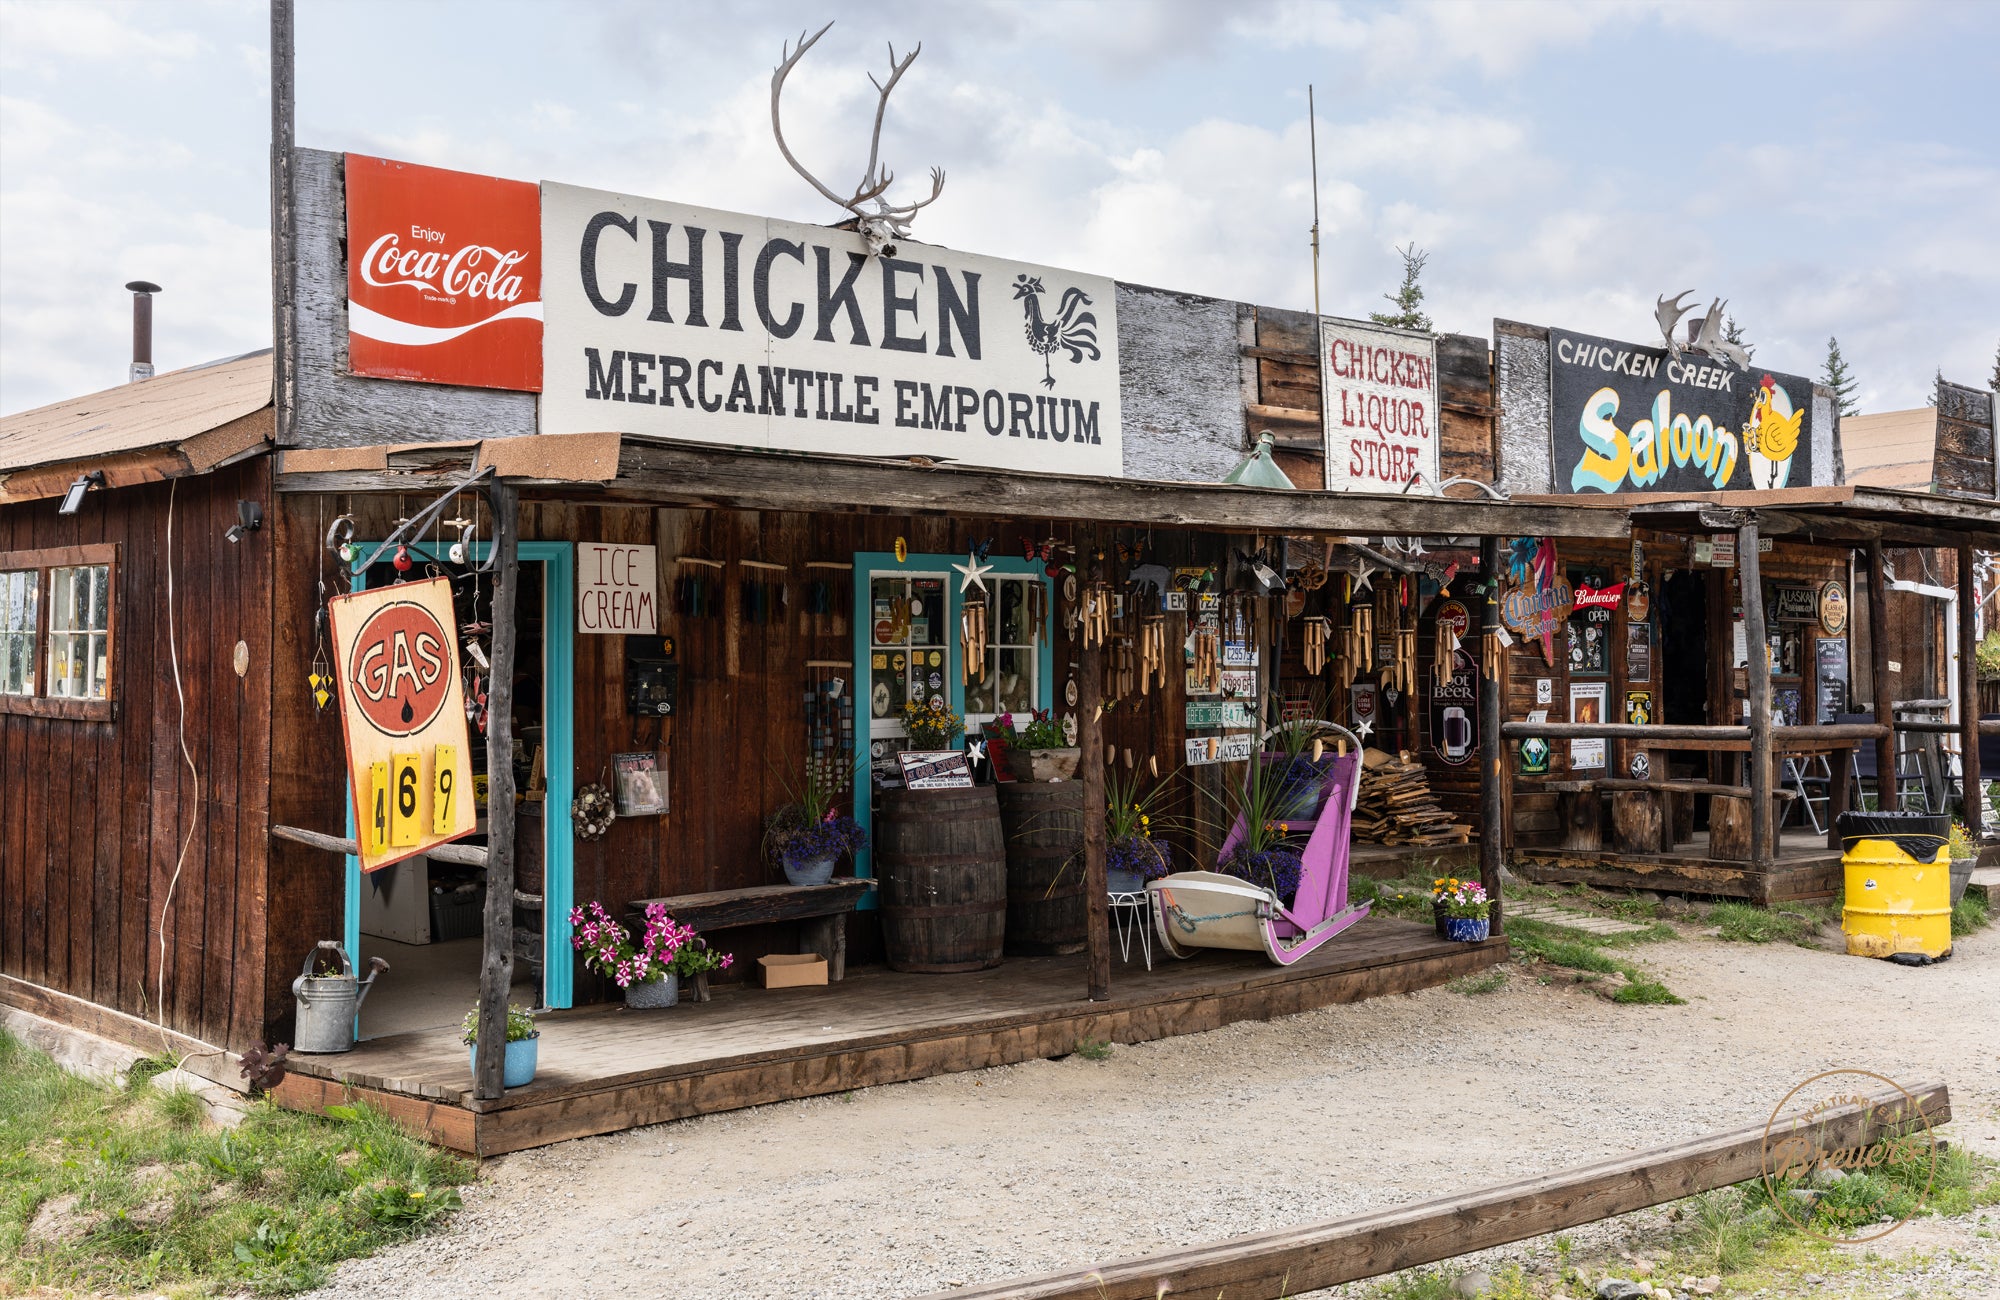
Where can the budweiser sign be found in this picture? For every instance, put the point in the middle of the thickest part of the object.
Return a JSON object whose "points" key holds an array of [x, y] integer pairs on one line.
{"points": [[1588, 597], [444, 276]]}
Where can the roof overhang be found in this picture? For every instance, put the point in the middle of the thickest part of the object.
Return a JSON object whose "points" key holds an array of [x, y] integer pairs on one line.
{"points": [[1850, 515]]}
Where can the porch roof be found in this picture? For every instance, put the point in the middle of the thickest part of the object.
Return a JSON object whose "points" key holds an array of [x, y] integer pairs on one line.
{"points": [[1849, 515], [657, 472]]}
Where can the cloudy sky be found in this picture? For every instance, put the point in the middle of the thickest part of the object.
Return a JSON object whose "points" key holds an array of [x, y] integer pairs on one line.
{"points": [[1829, 169]]}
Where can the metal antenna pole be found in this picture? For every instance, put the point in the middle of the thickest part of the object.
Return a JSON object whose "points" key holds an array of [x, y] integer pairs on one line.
{"points": [[1312, 133]]}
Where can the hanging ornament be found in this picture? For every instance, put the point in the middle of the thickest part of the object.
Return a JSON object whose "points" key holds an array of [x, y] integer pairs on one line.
{"points": [[973, 572], [1208, 659], [902, 550], [1315, 646], [592, 812], [972, 641], [1096, 614], [403, 562], [1153, 653]]}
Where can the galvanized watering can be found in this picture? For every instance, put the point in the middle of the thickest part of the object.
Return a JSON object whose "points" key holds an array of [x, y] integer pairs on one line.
{"points": [[329, 1003]]}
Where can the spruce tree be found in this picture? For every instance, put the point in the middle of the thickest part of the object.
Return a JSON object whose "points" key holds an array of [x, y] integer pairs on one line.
{"points": [[1733, 333], [1836, 376], [1995, 385], [1407, 300]]}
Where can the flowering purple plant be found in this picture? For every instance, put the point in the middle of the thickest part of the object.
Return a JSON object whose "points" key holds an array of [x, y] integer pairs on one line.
{"points": [[1140, 854], [829, 837], [1276, 869], [665, 948]]}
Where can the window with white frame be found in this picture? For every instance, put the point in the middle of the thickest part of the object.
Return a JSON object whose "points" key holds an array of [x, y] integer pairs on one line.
{"points": [[80, 632], [19, 621], [1009, 684], [910, 650]]}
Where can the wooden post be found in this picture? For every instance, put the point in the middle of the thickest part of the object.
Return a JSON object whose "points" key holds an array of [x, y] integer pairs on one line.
{"points": [[1885, 696], [496, 968], [284, 226], [1968, 693], [1090, 729], [1492, 750], [1763, 835]]}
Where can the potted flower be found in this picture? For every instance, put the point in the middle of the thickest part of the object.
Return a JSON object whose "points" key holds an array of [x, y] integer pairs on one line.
{"points": [[650, 969], [1964, 857], [1263, 856], [1468, 913], [931, 726], [809, 835], [1131, 855], [523, 1041], [1038, 748]]}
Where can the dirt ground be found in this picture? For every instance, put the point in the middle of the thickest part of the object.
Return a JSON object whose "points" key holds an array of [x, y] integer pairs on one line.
{"points": [[902, 1190]]}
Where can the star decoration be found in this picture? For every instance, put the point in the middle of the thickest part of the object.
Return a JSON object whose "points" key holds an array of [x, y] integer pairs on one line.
{"points": [[975, 573], [975, 751], [1364, 577], [1364, 728]]}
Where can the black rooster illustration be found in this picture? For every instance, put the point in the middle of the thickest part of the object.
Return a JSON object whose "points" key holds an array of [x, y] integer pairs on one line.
{"points": [[1074, 330]]}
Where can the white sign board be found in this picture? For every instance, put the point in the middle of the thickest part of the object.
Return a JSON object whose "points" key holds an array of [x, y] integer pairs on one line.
{"points": [[1378, 398], [715, 327], [617, 589]]}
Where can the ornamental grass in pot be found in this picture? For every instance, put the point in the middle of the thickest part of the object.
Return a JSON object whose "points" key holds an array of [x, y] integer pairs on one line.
{"points": [[649, 969], [523, 1045], [1267, 854], [808, 836], [1132, 856]]}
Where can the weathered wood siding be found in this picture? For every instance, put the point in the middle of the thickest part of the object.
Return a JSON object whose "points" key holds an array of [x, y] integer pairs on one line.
{"points": [[94, 816]]}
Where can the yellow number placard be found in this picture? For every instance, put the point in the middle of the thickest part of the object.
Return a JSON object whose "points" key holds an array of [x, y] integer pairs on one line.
{"points": [[375, 835], [444, 791], [406, 778]]}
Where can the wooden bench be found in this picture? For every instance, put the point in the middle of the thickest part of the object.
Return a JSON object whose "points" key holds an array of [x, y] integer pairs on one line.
{"points": [[823, 908], [1643, 817]]}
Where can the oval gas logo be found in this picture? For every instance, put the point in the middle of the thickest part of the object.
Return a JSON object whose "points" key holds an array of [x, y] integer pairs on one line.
{"points": [[400, 670]]}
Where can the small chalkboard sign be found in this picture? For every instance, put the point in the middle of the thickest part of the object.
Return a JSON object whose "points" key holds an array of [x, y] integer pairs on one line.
{"points": [[940, 769]]}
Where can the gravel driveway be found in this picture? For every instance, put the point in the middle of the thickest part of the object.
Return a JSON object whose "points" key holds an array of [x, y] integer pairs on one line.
{"points": [[914, 1187]]}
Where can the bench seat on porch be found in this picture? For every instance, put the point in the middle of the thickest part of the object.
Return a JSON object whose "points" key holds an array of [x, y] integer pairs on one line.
{"points": [[822, 907], [1642, 815]]}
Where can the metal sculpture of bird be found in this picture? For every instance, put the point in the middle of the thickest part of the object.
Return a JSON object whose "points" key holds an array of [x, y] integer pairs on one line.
{"points": [[1073, 329], [1669, 312]]}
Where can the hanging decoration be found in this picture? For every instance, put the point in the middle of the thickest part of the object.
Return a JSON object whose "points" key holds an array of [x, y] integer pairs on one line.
{"points": [[694, 596], [973, 572], [1541, 599], [972, 641], [902, 550], [1316, 631], [1096, 614], [1037, 611], [1207, 667], [1124, 670], [592, 812], [1153, 653], [763, 597]]}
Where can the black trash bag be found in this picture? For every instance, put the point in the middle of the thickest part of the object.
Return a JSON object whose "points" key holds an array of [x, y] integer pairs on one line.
{"points": [[1921, 835]]}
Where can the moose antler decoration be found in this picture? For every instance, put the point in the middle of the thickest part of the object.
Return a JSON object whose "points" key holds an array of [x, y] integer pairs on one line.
{"points": [[888, 221]]}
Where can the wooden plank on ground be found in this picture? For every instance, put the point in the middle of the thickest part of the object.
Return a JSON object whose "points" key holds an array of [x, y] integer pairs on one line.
{"points": [[1293, 1261], [446, 1126]]}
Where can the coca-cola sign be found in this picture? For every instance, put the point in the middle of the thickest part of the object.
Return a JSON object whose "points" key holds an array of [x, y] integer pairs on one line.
{"points": [[444, 276]]}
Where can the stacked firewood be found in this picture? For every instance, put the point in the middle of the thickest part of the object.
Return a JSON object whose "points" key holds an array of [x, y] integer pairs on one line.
{"points": [[1397, 806]]}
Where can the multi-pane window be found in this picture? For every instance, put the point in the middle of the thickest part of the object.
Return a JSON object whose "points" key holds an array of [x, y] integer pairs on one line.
{"points": [[80, 632], [19, 619], [1012, 659], [58, 621], [911, 650]]}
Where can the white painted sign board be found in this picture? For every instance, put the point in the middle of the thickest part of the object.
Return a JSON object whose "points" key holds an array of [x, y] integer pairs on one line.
{"points": [[1378, 401], [617, 589]]}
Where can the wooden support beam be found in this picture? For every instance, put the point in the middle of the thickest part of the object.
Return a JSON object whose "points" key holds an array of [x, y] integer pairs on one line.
{"points": [[1294, 1261], [1878, 660], [1968, 693], [1763, 835], [496, 967], [1492, 750], [468, 855], [1090, 727]]}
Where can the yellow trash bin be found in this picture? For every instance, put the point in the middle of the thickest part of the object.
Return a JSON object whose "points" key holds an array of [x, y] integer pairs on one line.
{"points": [[1898, 885]]}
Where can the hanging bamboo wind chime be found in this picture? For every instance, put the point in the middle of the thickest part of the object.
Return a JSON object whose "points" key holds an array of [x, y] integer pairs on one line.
{"points": [[1153, 653], [1096, 614], [1316, 630], [972, 642], [1448, 643], [1208, 659]]}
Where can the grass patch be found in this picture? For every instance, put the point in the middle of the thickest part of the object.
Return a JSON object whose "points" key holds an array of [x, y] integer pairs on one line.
{"points": [[1491, 981], [1094, 1049], [147, 1196], [1537, 943], [1969, 915], [1742, 923]]}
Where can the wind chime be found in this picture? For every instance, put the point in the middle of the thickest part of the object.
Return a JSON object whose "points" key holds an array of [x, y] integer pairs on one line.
{"points": [[1207, 659], [972, 641], [1124, 670], [1317, 629], [1448, 643], [1357, 653], [1096, 614], [829, 589], [1153, 653], [763, 592], [693, 595]]}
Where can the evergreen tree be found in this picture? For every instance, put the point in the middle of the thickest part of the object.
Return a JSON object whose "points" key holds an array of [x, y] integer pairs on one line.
{"points": [[1407, 300], [1995, 385], [1733, 333], [1936, 379], [1836, 376]]}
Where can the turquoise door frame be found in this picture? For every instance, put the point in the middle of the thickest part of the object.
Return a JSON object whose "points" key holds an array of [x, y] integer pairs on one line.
{"points": [[868, 565], [558, 561]]}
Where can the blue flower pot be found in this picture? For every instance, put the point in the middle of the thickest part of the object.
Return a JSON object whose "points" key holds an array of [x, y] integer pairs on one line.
{"points": [[519, 1070], [1467, 929], [810, 871]]}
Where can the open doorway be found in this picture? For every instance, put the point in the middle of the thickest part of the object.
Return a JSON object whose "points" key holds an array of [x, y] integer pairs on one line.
{"points": [[427, 918], [1684, 655]]}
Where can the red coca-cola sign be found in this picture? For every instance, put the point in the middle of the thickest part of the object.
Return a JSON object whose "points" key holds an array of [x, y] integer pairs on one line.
{"points": [[444, 276]]}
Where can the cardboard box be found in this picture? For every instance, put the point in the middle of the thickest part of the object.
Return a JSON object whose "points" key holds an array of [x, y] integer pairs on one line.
{"points": [[784, 970]]}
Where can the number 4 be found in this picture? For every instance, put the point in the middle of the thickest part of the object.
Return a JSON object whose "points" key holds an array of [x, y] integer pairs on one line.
{"points": [[378, 808]]}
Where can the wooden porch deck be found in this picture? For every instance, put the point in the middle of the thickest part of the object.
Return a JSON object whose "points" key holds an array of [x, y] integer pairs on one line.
{"points": [[603, 1068], [1805, 869]]}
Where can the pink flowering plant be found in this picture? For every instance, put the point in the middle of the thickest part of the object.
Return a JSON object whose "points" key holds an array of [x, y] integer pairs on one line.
{"points": [[1464, 899], [665, 947]]}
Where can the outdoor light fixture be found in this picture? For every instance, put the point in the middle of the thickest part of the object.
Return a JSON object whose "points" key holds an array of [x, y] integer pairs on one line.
{"points": [[73, 499], [1258, 469], [249, 518]]}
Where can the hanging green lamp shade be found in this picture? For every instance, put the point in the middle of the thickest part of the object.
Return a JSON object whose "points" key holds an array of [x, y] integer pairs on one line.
{"points": [[1258, 469]]}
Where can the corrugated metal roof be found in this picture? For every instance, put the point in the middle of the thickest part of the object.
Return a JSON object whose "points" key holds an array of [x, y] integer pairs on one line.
{"points": [[159, 412]]}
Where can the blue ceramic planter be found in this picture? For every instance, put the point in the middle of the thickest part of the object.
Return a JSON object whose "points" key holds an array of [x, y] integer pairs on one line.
{"points": [[519, 1070], [1467, 929]]}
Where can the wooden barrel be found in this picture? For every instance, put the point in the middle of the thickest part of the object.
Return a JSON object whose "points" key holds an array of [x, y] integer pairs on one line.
{"points": [[943, 864], [1043, 822]]}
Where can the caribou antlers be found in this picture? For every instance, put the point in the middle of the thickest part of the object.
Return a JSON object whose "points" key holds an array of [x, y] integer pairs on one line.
{"points": [[888, 221]]}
